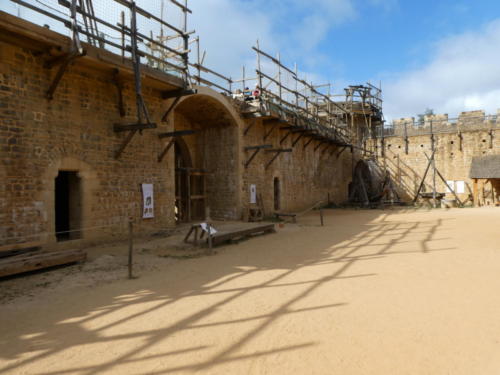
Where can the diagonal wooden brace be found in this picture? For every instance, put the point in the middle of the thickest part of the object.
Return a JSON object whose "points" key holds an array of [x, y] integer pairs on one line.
{"points": [[125, 143], [165, 150], [308, 143], [298, 139], [174, 103], [65, 61]]}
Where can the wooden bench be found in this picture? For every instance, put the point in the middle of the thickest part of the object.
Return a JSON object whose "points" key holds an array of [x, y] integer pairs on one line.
{"points": [[223, 236], [294, 216], [279, 215], [236, 235]]}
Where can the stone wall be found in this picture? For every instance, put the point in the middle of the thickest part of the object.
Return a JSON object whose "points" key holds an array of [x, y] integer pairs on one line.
{"points": [[454, 153], [306, 175], [74, 132]]}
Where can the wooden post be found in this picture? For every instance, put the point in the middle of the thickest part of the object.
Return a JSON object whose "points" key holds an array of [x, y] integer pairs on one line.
{"points": [[433, 182], [188, 194], [122, 15], [130, 247], [209, 237], [321, 216], [475, 193], [209, 229]]}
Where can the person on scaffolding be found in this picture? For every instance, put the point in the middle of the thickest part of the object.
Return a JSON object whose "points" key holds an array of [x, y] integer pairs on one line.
{"points": [[256, 92], [247, 94]]}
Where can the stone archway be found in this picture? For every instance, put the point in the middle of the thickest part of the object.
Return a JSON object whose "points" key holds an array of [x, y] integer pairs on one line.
{"points": [[214, 148], [183, 164]]}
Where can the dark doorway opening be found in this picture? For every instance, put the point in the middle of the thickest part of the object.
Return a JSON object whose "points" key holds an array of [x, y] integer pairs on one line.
{"points": [[277, 194], [67, 206], [190, 194]]}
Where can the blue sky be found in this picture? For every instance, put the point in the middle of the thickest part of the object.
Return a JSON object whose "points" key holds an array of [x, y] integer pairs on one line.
{"points": [[401, 35], [428, 54], [440, 54]]}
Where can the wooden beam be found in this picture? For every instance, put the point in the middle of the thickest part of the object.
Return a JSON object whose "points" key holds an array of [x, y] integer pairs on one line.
{"points": [[280, 150], [256, 151], [423, 178], [165, 150], [270, 131], [119, 86], [169, 109], [308, 142], [129, 127], [341, 151], [177, 93], [285, 137], [125, 143], [249, 148], [245, 132], [25, 263], [298, 139], [277, 153], [444, 180], [62, 69], [177, 133], [318, 145]]}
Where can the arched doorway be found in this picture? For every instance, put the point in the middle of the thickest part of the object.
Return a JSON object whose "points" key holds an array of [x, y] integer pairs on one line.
{"points": [[189, 186], [214, 180]]}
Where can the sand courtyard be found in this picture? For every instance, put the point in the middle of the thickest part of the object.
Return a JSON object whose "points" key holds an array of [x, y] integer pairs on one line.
{"points": [[399, 291]]}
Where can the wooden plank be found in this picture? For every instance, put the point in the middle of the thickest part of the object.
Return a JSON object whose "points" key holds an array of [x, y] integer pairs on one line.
{"points": [[123, 128], [177, 133], [221, 237], [15, 251], [21, 264], [177, 93]]}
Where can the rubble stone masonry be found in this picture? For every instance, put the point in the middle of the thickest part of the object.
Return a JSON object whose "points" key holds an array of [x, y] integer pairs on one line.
{"points": [[74, 132]]}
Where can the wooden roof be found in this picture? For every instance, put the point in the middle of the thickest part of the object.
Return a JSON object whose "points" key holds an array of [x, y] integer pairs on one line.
{"points": [[486, 167]]}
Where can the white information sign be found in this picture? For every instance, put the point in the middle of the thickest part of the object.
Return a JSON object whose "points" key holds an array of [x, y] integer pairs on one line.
{"points": [[147, 195], [451, 184], [253, 193], [460, 186]]}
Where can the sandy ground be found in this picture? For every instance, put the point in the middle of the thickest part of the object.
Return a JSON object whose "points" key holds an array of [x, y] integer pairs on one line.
{"points": [[372, 292]]}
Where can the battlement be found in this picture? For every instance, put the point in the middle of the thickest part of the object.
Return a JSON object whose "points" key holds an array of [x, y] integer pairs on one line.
{"points": [[441, 123]]}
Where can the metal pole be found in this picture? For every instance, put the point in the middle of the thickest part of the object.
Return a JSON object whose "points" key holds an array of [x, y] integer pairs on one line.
{"points": [[321, 216], [130, 247]]}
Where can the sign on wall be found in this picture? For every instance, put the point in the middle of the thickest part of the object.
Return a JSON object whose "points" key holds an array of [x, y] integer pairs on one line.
{"points": [[451, 184], [147, 196], [253, 193], [460, 186]]}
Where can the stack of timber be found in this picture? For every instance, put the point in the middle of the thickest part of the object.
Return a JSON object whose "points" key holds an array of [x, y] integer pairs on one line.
{"points": [[19, 264]]}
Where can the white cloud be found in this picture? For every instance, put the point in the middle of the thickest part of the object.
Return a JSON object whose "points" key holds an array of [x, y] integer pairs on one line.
{"points": [[229, 28], [463, 74]]}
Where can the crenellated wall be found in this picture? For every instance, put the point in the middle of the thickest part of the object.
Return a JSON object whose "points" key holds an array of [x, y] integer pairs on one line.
{"points": [[455, 142]]}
